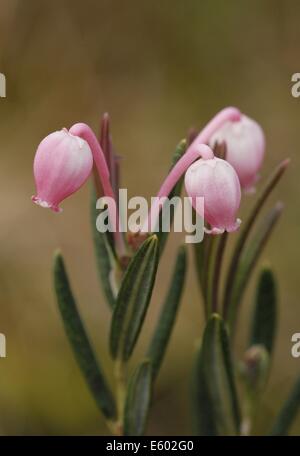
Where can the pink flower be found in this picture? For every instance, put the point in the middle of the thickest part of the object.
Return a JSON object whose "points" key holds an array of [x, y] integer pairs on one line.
{"points": [[197, 149], [245, 143], [216, 181], [62, 164]]}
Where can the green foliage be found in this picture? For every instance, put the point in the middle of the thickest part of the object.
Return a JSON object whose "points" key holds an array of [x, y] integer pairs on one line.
{"points": [[215, 402], [264, 320], [248, 260], [168, 313], [104, 253], [288, 412], [133, 299], [138, 400], [79, 341]]}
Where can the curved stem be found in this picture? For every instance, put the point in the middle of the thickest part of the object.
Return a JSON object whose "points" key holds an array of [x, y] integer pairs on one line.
{"points": [[85, 132], [195, 150], [200, 150]]}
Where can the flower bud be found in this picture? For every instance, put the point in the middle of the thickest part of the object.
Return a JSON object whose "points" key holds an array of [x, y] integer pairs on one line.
{"points": [[217, 182], [245, 148], [62, 164], [254, 368]]}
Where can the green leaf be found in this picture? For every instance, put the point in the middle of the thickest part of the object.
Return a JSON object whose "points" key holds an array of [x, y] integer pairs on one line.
{"points": [[247, 227], [168, 313], [133, 299], [216, 409], [162, 236], [288, 412], [264, 319], [79, 341], [249, 259], [138, 400], [105, 257]]}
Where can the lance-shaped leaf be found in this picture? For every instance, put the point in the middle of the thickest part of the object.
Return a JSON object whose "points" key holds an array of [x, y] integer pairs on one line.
{"points": [[79, 341], [288, 413], [163, 235], [264, 318], [249, 259], [168, 313], [215, 400], [247, 227], [105, 257], [133, 299], [138, 400]]}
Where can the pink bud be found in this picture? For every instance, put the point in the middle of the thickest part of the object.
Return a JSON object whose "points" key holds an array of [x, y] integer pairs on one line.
{"points": [[245, 143], [216, 181], [62, 164]]}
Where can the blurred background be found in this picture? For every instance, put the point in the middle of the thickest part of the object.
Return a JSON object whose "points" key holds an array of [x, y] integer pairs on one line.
{"points": [[158, 68]]}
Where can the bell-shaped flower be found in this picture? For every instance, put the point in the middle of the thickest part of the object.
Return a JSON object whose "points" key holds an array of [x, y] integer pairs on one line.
{"points": [[62, 164], [216, 181], [245, 148]]}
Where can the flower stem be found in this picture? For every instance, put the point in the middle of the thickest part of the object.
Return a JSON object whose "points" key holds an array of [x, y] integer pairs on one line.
{"points": [[196, 150], [217, 272], [209, 269], [84, 131], [201, 150]]}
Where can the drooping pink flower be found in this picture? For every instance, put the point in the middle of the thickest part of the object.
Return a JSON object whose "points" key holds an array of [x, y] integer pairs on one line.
{"points": [[245, 148], [197, 149], [216, 181], [62, 164]]}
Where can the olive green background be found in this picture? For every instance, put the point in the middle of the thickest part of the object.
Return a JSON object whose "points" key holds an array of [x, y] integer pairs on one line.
{"points": [[158, 67]]}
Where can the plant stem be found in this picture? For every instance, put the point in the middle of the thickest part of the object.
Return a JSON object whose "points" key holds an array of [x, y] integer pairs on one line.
{"points": [[208, 271], [84, 131], [217, 272]]}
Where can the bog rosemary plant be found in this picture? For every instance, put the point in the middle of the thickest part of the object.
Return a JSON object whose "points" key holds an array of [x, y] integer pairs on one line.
{"points": [[219, 164]]}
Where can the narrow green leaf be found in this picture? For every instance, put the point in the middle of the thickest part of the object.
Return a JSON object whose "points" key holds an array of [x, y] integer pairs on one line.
{"points": [[215, 399], [264, 319], [168, 313], [105, 257], [162, 236], [249, 259], [79, 341], [247, 227], [138, 400], [288, 412], [133, 299], [202, 405]]}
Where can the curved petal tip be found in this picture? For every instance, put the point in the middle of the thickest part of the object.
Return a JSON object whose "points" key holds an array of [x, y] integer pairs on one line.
{"points": [[45, 204]]}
